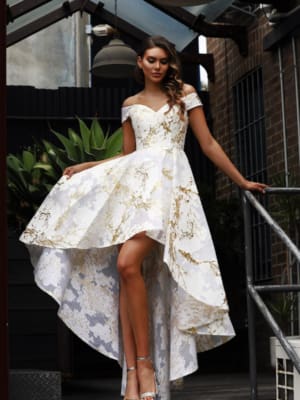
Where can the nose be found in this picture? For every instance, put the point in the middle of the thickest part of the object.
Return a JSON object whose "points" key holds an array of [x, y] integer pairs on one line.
{"points": [[157, 65]]}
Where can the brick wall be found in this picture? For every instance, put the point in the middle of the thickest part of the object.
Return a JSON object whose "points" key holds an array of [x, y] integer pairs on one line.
{"points": [[230, 66]]}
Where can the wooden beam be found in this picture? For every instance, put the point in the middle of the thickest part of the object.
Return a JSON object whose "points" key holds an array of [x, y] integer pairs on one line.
{"points": [[205, 60], [235, 32], [285, 29], [281, 6], [23, 7], [67, 9], [3, 223], [110, 19]]}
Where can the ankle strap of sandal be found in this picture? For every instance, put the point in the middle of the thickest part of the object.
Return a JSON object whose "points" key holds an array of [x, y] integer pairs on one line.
{"points": [[144, 358]]}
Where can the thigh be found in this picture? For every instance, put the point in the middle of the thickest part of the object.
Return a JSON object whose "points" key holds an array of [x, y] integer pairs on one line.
{"points": [[135, 249]]}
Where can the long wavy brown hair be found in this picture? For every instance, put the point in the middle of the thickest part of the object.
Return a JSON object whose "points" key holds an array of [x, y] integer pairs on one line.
{"points": [[172, 83]]}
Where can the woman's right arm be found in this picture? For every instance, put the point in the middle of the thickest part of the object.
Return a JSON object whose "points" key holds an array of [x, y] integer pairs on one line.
{"points": [[128, 147]]}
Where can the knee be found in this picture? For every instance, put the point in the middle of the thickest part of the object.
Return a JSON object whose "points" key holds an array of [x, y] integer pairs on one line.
{"points": [[127, 269]]}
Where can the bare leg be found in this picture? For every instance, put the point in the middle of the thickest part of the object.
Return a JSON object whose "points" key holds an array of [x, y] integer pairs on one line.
{"points": [[132, 388], [134, 295]]}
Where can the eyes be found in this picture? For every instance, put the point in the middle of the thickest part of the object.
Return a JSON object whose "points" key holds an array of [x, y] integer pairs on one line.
{"points": [[152, 60]]}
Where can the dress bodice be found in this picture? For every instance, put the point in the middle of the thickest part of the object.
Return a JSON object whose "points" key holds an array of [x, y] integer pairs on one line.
{"points": [[164, 128]]}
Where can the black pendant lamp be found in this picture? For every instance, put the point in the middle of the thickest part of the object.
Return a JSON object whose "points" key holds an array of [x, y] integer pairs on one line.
{"points": [[180, 3], [116, 59]]}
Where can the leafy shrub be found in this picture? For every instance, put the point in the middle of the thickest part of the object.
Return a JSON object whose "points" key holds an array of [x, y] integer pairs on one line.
{"points": [[32, 174]]}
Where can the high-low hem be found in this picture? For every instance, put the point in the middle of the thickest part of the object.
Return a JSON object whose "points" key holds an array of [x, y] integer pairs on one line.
{"points": [[73, 240]]}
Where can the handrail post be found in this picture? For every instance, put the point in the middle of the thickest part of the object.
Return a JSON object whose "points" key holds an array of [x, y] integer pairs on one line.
{"points": [[253, 297], [250, 304]]}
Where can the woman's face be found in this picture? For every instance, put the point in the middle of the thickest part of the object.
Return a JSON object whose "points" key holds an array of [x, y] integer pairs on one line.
{"points": [[154, 63]]}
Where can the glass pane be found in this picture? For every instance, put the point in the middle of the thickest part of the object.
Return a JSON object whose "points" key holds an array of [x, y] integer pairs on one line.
{"points": [[33, 15], [212, 10], [290, 394], [152, 21], [281, 379], [140, 14], [290, 381], [289, 366], [13, 2], [281, 394]]}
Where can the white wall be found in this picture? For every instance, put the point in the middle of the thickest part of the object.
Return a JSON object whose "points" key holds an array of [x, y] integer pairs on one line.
{"points": [[56, 56]]}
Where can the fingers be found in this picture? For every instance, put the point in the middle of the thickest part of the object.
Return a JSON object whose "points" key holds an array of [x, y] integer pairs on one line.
{"points": [[258, 187], [69, 171], [261, 188]]}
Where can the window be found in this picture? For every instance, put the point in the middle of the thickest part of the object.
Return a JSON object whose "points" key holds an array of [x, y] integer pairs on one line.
{"points": [[251, 158]]}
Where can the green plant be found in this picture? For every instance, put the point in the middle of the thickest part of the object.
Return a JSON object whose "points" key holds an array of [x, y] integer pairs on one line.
{"points": [[32, 173], [284, 306], [286, 210], [91, 144], [28, 184]]}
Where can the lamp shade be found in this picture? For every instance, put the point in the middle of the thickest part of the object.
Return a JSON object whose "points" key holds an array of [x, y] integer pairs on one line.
{"points": [[115, 60], [179, 3]]}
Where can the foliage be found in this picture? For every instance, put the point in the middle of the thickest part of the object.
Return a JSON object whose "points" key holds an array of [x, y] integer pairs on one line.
{"points": [[90, 145], [32, 173], [286, 210], [27, 185], [284, 306]]}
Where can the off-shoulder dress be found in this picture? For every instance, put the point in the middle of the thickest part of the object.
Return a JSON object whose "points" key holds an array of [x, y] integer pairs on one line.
{"points": [[73, 238]]}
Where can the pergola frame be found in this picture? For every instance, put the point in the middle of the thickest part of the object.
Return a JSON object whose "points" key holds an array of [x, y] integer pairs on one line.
{"points": [[234, 32], [68, 8]]}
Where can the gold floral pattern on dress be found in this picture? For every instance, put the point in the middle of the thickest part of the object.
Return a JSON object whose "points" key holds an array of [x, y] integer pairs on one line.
{"points": [[73, 241]]}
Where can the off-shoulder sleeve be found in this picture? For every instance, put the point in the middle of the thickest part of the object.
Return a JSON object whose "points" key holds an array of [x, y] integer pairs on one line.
{"points": [[125, 113], [192, 100]]}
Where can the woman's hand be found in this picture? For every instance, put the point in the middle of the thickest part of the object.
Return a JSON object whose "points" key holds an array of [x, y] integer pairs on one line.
{"points": [[74, 169], [254, 186]]}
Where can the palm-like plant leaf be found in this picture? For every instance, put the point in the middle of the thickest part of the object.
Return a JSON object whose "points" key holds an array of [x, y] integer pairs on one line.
{"points": [[114, 144], [70, 147], [29, 159], [86, 136], [97, 135], [32, 174]]}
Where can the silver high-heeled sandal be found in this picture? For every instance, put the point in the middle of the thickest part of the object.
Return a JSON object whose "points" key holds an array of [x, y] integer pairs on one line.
{"points": [[128, 370], [148, 394]]}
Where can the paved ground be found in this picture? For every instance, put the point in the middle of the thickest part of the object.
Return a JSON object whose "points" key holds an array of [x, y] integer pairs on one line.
{"points": [[205, 387]]}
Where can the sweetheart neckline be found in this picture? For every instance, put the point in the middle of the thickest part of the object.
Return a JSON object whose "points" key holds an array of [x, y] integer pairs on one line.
{"points": [[159, 109], [150, 108]]}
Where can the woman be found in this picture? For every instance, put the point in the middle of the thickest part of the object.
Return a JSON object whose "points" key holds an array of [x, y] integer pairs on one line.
{"points": [[141, 207]]}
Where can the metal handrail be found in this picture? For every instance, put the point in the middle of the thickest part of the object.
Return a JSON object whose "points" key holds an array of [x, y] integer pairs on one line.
{"points": [[253, 296], [271, 222]]}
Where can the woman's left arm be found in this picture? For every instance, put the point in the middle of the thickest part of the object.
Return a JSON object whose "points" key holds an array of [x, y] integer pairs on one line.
{"points": [[216, 154]]}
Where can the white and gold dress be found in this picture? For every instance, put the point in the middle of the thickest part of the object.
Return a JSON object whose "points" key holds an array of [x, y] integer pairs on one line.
{"points": [[73, 240]]}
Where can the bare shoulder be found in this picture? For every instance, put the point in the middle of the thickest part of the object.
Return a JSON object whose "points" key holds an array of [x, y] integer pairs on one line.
{"points": [[188, 89], [130, 100]]}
